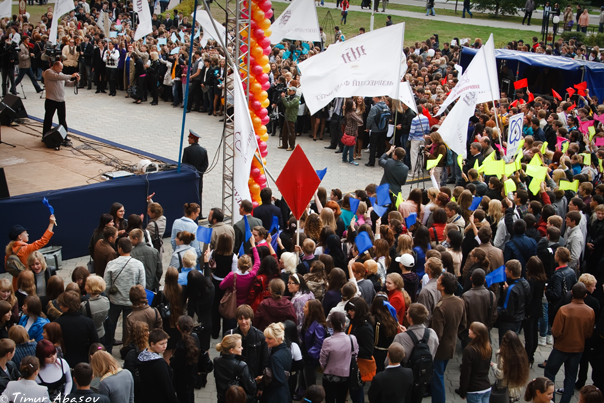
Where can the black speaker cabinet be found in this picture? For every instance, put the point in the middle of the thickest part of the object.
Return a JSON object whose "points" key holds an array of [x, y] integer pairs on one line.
{"points": [[54, 137], [4, 194], [18, 110]]}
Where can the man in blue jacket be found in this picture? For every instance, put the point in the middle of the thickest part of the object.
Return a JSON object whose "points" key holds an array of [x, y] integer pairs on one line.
{"points": [[520, 246]]}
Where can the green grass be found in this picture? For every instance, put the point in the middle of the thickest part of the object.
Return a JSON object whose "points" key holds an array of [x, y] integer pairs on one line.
{"points": [[35, 12]]}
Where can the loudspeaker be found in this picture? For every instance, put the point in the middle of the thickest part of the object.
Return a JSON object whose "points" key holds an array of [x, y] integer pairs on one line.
{"points": [[18, 110], [55, 137], [4, 194]]}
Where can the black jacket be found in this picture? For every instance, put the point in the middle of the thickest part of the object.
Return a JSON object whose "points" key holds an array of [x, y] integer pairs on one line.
{"points": [[545, 252], [86, 396], [197, 156], [97, 61], [156, 378], [559, 284], [88, 51], [365, 339], [226, 369], [12, 375], [255, 350], [265, 212], [277, 391], [518, 301], [474, 372], [79, 332], [537, 288], [471, 161], [382, 390]]}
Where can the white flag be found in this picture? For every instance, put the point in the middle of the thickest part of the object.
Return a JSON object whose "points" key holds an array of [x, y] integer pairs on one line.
{"points": [[6, 8], [405, 94], [145, 27], [367, 65], [515, 123], [245, 146], [454, 129], [203, 19], [299, 21], [479, 77], [61, 7]]}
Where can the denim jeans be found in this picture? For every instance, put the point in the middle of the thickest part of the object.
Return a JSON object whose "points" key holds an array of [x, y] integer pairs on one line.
{"points": [[438, 381], [544, 328], [464, 16], [175, 92], [348, 152], [30, 74], [571, 367], [478, 397], [430, 11]]}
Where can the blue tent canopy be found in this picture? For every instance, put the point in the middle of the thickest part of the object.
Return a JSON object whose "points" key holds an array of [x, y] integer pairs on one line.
{"points": [[561, 73]]}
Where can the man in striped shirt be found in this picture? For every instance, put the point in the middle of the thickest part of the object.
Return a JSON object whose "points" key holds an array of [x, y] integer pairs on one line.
{"points": [[420, 126]]}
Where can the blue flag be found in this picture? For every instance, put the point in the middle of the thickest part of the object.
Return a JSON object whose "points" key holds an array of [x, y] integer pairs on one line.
{"points": [[373, 200], [496, 276], [150, 296], [379, 210], [363, 242], [47, 204], [274, 225], [412, 219], [354, 205], [248, 235], [321, 173], [383, 195], [204, 234], [475, 203]]}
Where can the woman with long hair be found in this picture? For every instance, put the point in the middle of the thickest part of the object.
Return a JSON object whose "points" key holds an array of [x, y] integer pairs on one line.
{"points": [[223, 261], [313, 226], [358, 312], [385, 328], [54, 372], [173, 294], [335, 280], [106, 220], [541, 390], [465, 201], [314, 332], [246, 272], [117, 211], [351, 123], [512, 367], [474, 383], [535, 275], [477, 260], [26, 286], [269, 270], [413, 205], [496, 217], [79, 276], [33, 320], [316, 280], [292, 341], [156, 227], [381, 250], [421, 245], [301, 294], [334, 249], [454, 239], [139, 341], [115, 383], [184, 361], [228, 367], [7, 294], [495, 188], [37, 264], [5, 315], [395, 287], [24, 345], [53, 333]]}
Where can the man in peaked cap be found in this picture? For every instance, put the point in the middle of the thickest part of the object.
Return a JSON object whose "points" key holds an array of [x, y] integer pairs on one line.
{"points": [[196, 156]]}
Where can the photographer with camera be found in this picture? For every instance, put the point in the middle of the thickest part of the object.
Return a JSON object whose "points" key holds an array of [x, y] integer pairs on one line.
{"points": [[25, 58], [55, 82], [9, 55], [277, 107]]}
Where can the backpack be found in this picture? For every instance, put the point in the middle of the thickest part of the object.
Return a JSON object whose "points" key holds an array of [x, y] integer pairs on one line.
{"points": [[449, 158], [420, 361], [382, 117], [13, 265]]}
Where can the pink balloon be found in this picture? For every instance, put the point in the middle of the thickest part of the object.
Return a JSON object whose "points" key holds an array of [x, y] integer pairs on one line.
{"points": [[265, 6], [244, 85], [261, 113], [261, 180], [265, 121], [262, 145], [258, 33], [266, 86], [253, 25], [262, 78], [268, 14], [264, 42], [266, 51], [255, 173], [256, 105], [257, 70], [255, 204], [264, 153]]}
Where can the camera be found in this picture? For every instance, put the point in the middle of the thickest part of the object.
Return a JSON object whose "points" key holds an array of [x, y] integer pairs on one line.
{"points": [[422, 148], [52, 53]]}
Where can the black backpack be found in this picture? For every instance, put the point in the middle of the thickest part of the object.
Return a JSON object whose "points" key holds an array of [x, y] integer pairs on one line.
{"points": [[420, 361]]}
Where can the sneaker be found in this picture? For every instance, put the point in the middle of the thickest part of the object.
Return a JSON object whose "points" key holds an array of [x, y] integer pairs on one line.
{"points": [[542, 341], [354, 163], [560, 391], [289, 149], [550, 339]]}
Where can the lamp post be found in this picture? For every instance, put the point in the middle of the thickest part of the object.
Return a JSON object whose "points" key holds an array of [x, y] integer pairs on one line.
{"points": [[556, 21]]}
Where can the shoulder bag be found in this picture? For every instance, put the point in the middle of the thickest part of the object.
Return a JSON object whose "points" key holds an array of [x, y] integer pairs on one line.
{"points": [[228, 303], [113, 289], [156, 239], [164, 308], [348, 140], [354, 378]]}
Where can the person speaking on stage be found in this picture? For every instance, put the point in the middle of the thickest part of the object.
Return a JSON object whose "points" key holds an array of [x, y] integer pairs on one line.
{"points": [[55, 83]]}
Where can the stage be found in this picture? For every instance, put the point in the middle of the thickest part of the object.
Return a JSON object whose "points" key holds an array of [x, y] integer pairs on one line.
{"points": [[74, 181]]}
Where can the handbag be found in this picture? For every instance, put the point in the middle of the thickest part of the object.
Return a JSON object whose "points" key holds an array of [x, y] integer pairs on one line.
{"points": [[354, 378], [113, 289], [499, 395], [348, 140], [156, 239], [164, 309], [228, 303], [367, 368]]}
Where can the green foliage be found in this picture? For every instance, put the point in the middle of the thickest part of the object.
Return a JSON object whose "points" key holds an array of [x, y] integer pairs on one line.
{"points": [[498, 7], [568, 35]]}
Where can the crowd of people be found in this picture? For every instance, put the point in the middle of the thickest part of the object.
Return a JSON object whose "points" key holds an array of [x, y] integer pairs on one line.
{"points": [[444, 266]]}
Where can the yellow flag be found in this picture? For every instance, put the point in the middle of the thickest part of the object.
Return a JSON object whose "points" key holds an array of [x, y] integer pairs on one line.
{"points": [[510, 186], [490, 157], [510, 169], [520, 150], [536, 172], [566, 185], [600, 162], [518, 162], [460, 161], [586, 158], [535, 186], [536, 161], [494, 168], [565, 147], [544, 147], [399, 199], [432, 163], [476, 167], [592, 132]]}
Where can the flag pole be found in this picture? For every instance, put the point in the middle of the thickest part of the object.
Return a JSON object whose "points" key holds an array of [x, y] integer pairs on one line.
{"points": [[493, 99]]}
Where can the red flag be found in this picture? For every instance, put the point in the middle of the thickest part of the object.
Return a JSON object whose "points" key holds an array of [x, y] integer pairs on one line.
{"points": [[531, 97], [297, 182], [514, 104], [520, 84], [581, 87], [443, 81], [570, 91], [556, 95], [573, 106]]}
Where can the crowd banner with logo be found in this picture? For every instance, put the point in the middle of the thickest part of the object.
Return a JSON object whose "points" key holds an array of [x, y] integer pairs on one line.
{"points": [[476, 78], [145, 27], [454, 129], [365, 65], [245, 146], [6, 8], [209, 31], [299, 21], [405, 94], [515, 134], [61, 7]]}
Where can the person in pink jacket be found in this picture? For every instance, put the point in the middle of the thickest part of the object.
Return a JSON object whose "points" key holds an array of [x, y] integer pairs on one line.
{"points": [[244, 275]]}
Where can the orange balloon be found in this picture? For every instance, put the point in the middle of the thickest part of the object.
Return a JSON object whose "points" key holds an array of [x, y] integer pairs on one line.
{"points": [[257, 52], [244, 33], [257, 125], [265, 24], [256, 88], [263, 61], [262, 96], [255, 189], [268, 32], [256, 163], [261, 132], [254, 8], [264, 137], [256, 121], [266, 69], [258, 15], [251, 181], [265, 103]]}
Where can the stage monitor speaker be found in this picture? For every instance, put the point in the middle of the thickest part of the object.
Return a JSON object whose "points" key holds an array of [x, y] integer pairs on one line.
{"points": [[18, 110], [4, 194], [54, 138]]}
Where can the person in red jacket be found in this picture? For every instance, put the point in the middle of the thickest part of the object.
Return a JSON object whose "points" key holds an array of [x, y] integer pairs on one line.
{"points": [[275, 308]]}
